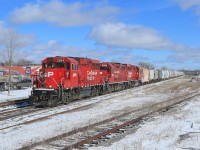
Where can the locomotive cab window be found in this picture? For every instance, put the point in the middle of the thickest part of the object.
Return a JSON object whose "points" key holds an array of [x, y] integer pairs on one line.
{"points": [[103, 68], [51, 65], [60, 65], [67, 66], [44, 65], [74, 67], [109, 69]]}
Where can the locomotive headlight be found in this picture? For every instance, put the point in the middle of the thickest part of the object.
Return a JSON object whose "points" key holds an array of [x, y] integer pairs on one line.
{"points": [[34, 86], [50, 86]]}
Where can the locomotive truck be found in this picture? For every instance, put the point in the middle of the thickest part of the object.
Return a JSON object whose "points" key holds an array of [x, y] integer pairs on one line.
{"points": [[63, 79]]}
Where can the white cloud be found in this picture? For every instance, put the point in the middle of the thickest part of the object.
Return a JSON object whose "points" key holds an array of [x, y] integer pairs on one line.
{"points": [[56, 48], [190, 4], [132, 36], [63, 14], [191, 55], [137, 37], [22, 40], [186, 4]]}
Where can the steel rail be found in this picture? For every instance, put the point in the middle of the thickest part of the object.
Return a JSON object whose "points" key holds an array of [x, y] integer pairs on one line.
{"points": [[142, 112]]}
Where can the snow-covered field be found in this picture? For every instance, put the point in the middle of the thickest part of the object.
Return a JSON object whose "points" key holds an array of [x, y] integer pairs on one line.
{"points": [[177, 129], [104, 107], [15, 95]]}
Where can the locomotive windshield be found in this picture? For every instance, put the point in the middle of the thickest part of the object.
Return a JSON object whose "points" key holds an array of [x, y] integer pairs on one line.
{"points": [[53, 65], [105, 68]]}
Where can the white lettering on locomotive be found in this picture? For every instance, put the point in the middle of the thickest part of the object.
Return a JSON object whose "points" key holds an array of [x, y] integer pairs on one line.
{"points": [[60, 60], [129, 74], [104, 65], [90, 77], [41, 74], [91, 74], [50, 74], [116, 72], [74, 75]]}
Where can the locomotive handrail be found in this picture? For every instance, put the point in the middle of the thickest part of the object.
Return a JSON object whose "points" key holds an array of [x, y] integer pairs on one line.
{"points": [[41, 82], [54, 81], [61, 80], [45, 81]]}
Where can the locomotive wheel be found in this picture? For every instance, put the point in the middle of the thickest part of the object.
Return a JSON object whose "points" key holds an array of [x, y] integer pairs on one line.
{"points": [[66, 98], [109, 89], [52, 102], [112, 88], [97, 92], [123, 87], [93, 92]]}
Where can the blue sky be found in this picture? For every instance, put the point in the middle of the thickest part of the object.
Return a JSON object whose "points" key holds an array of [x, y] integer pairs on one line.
{"points": [[164, 33]]}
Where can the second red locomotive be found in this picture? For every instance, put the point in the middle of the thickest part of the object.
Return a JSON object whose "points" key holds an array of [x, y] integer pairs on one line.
{"points": [[63, 79]]}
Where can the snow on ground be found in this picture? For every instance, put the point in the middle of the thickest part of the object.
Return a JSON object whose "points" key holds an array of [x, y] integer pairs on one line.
{"points": [[100, 99], [105, 107], [15, 95], [177, 129], [63, 123]]}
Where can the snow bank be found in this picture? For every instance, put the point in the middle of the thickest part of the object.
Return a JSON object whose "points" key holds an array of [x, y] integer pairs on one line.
{"points": [[15, 95]]}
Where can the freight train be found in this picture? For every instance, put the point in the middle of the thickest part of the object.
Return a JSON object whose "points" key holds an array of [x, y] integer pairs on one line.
{"points": [[63, 79]]}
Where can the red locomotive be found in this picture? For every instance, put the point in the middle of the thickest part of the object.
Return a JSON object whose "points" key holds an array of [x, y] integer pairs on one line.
{"points": [[63, 79]]}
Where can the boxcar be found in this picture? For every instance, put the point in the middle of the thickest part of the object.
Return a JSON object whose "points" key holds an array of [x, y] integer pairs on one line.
{"points": [[151, 75], [144, 75]]}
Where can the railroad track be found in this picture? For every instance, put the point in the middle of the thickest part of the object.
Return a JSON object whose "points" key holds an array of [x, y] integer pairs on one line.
{"points": [[95, 133], [14, 102], [11, 113], [19, 112], [45, 117], [17, 102], [15, 108]]}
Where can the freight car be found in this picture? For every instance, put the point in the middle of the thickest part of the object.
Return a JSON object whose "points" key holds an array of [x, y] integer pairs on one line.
{"points": [[145, 75], [152, 75], [63, 79]]}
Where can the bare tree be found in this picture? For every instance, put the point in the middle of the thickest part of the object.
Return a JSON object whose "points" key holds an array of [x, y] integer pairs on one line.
{"points": [[114, 61], [23, 62], [146, 65], [9, 44], [164, 68]]}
